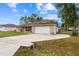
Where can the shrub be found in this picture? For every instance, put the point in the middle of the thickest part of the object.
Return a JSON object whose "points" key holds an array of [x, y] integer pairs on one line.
{"points": [[75, 33]]}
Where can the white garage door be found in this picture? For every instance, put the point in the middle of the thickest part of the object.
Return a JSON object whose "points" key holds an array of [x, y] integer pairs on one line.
{"points": [[42, 30]]}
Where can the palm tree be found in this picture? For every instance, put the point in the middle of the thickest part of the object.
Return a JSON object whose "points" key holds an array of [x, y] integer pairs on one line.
{"points": [[24, 20], [33, 17], [39, 18], [30, 19]]}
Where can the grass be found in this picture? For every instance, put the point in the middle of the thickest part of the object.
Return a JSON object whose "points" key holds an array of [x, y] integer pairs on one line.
{"points": [[62, 47], [11, 33], [66, 32]]}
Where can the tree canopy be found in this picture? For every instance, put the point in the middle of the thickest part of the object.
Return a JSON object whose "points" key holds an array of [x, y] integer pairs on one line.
{"points": [[29, 19], [68, 13]]}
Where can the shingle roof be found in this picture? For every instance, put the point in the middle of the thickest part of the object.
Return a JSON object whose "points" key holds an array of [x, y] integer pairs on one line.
{"points": [[44, 22], [39, 23]]}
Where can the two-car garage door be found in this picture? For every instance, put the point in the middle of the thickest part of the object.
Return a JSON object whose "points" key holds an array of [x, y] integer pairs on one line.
{"points": [[42, 30]]}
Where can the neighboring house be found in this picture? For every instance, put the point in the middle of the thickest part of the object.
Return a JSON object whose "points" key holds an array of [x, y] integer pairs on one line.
{"points": [[42, 27], [2, 28], [8, 27], [71, 28]]}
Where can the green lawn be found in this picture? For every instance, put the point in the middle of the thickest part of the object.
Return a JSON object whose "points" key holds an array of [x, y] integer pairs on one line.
{"points": [[10, 33], [66, 32], [60, 47]]}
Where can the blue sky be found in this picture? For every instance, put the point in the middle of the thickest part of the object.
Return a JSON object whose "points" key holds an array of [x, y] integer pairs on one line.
{"points": [[11, 12]]}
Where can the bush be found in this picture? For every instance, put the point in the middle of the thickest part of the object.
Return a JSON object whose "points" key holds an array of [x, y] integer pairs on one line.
{"points": [[75, 33]]}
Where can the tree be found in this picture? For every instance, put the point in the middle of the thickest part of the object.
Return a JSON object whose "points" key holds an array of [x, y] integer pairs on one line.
{"points": [[68, 14], [33, 17], [77, 9], [24, 20], [39, 18], [29, 19], [21, 20]]}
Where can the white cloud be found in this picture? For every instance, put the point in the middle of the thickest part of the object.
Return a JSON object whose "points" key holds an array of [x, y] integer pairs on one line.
{"points": [[39, 6], [45, 7], [12, 5], [43, 12], [14, 10], [50, 6], [25, 10], [50, 17]]}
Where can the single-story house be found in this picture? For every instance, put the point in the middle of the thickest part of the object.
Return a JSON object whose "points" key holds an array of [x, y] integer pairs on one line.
{"points": [[41, 27], [8, 27]]}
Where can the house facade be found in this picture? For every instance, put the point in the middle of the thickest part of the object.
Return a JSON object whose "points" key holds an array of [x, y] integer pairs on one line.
{"points": [[41, 27], [8, 27]]}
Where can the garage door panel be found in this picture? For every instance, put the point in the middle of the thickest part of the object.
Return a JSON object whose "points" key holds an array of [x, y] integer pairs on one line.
{"points": [[42, 30]]}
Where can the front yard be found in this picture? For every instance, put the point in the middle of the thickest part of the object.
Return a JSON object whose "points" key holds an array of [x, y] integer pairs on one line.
{"points": [[11, 33], [61, 47]]}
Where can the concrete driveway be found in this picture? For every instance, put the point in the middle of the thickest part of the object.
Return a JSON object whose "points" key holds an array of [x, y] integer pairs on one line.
{"points": [[9, 45]]}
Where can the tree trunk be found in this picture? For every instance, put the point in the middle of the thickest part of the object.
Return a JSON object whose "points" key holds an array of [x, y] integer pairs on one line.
{"points": [[66, 28], [74, 31], [78, 29]]}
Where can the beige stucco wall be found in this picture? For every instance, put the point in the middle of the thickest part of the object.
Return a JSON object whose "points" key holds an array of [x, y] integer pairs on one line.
{"points": [[33, 29], [52, 29], [10, 28], [18, 29]]}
